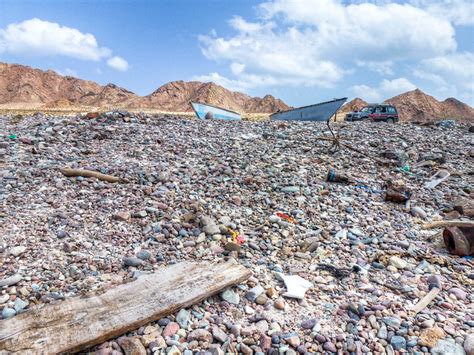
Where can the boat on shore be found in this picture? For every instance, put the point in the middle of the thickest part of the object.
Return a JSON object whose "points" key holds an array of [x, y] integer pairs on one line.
{"points": [[209, 112], [317, 112]]}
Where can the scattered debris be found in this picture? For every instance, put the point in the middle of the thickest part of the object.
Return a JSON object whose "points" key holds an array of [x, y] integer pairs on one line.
{"points": [[117, 311], [88, 173], [296, 286], [459, 240], [437, 179]]}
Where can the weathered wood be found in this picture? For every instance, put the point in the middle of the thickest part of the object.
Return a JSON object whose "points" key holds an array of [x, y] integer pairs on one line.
{"points": [[425, 301], [78, 323], [453, 223], [89, 173]]}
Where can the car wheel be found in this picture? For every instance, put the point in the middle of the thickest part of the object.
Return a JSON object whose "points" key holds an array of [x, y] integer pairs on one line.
{"points": [[390, 120]]}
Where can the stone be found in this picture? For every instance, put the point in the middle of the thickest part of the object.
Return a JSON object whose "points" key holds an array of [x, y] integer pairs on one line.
{"points": [[460, 294], [10, 281], [170, 329], [254, 292], [308, 324], [131, 346], [8, 312], [279, 304], [329, 346], [132, 261], [230, 296], [123, 216], [219, 334], [183, 318], [446, 347], [18, 250], [398, 262], [174, 350], [261, 299], [430, 336], [19, 305], [200, 335], [398, 342], [211, 229], [231, 246], [265, 342], [290, 189], [144, 255], [469, 344], [392, 322]]}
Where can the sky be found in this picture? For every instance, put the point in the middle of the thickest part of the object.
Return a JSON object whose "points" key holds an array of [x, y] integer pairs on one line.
{"points": [[302, 51]]}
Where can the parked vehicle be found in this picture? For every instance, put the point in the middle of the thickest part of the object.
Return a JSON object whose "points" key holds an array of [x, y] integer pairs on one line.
{"points": [[376, 112], [384, 112], [363, 114]]}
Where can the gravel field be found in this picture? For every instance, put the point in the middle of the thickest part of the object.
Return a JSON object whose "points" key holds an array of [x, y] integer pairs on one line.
{"points": [[186, 182]]}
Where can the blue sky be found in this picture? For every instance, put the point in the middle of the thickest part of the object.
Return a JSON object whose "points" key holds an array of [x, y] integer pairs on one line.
{"points": [[303, 51]]}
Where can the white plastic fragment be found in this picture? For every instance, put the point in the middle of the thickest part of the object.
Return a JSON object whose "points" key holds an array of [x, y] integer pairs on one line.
{"points": [[437, 179], [296, 286]]}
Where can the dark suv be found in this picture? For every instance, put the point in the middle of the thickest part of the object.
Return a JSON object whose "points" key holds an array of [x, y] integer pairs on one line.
{"points": [[376, 112], [387, 113]]}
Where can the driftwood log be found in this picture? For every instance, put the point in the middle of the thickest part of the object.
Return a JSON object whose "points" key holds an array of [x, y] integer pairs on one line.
{"points": [[453, 223], [79, 323], [89, 173]]}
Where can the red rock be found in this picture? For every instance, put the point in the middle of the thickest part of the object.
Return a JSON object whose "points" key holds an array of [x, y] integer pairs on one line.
{"points": [[170, 329]]}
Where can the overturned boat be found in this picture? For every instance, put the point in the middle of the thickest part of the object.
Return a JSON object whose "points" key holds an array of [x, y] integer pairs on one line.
{"points": [[318, 112], [209, 112]]}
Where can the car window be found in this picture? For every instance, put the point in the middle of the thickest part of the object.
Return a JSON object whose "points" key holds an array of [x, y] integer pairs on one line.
{"points": [[392, 110], [384, 109]]}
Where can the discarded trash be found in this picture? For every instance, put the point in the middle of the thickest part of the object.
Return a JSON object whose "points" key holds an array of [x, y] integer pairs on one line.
{"points": [[286, 217], [296, 286], [91, 115], [397, 195], [437, 179], [459, 240], [236, 237], [338, 273], [336, 177], [12, 136]]}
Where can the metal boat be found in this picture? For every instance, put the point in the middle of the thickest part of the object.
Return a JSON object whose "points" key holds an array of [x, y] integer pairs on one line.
{"points": [[209, 112], [318, 112]]}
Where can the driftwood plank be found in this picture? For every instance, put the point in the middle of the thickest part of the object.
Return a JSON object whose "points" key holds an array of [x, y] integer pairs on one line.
{"points": [[78, 323]]}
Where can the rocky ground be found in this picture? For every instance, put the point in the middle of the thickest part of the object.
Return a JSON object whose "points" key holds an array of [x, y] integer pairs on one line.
{"points": [[187, 181]]}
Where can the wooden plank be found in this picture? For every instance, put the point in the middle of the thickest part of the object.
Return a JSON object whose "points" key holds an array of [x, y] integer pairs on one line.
{"points": [[78, 323]]}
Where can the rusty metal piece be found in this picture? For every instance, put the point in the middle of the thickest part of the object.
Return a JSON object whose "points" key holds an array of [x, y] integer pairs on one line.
{"points": [[459, 240], [397, 195]]}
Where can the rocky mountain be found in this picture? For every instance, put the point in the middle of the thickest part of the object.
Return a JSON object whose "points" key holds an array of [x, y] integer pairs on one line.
{"points": [[20, 84], [417, 106], [353, 105]]}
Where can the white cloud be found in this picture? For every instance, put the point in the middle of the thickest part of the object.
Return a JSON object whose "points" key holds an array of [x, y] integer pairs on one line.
{"points": [[317, 42], [452, 74], [459, 12], [36, 37], [385, 90], [382, 68], [118, 63]]}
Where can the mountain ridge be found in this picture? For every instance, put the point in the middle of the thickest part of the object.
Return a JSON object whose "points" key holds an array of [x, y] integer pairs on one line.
{"points": [[20, 84]]}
